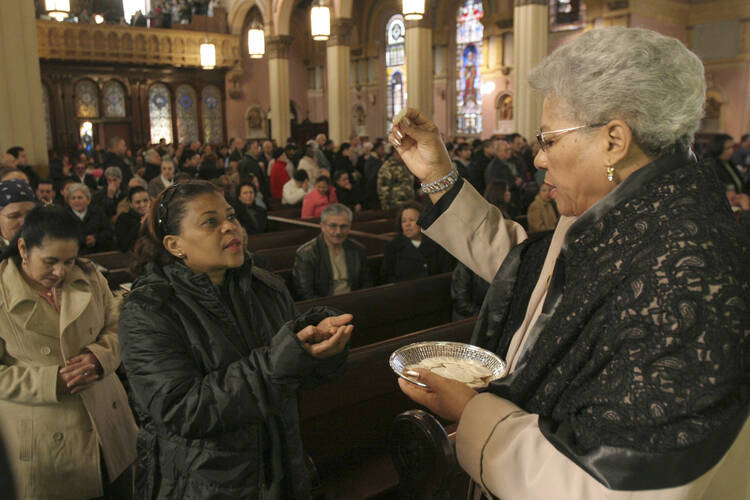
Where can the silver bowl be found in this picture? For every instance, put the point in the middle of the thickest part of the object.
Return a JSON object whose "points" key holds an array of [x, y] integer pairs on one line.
{"points": [[412, 354]]}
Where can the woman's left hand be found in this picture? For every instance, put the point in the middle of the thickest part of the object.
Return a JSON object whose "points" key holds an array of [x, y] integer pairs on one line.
{"points": [[445, 397], [328, 338], [80, 371]]}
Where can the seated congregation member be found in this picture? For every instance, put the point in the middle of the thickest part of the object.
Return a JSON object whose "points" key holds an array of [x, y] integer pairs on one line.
{"points": [[64, 414], [13, 173], [259, 198], [16, 201], [164, 180], [215, 354], [348, 194], [307, 162], [45, 193], [152, 160], [128, 225], [95, 225], [322, 195], [411, 254], [279, 175], [295, 189], [542, 215], [110, 196], [135, 181], [331, 264], [395, 183], [610, 390], [498, 194], [81, 176], [717, 156], [467, 292], [342, 160], [209, 168], [252, 217]]}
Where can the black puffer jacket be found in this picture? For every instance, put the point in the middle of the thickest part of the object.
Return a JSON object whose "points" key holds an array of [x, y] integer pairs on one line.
{"points": [[402, 261], [214, 373], [313, 275]]}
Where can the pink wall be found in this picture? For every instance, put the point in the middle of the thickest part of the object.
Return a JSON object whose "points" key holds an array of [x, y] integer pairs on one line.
{"points": [[298, 80], [735, 83], [663, 27], [254, 84]]}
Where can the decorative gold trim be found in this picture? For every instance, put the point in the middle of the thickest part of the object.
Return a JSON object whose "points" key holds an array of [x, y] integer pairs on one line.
{"points": [[129, 44]]}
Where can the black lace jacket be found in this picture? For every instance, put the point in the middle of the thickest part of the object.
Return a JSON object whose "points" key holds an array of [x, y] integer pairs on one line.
{"points": [[638, 365]]}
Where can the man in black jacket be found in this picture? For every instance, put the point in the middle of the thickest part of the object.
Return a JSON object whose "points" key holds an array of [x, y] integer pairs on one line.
{"points": [[252, 164], [331, 264], [115, 157]]}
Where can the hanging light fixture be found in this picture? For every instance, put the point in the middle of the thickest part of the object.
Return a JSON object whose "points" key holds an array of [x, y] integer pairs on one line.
{"points": [[320, 21], [208, 55], [413, 10], [256, 42], [57, 9]]}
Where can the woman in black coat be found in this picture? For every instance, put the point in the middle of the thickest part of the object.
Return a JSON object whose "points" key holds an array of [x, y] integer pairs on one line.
{"points": [[251, 216], [718, 153], [128, 224], [214, 354], [95, 225], [411, 254]]}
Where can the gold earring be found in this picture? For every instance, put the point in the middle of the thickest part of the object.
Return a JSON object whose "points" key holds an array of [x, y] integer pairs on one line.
{"points": [[180, 255], [610, 173]]}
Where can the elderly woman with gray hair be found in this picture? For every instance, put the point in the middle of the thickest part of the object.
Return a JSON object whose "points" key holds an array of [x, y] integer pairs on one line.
{"points": [[627, 362], [95, 226]]}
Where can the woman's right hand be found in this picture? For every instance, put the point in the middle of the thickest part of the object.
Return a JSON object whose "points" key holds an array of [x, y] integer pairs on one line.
{"points": [[418, 142], [328, 338]]}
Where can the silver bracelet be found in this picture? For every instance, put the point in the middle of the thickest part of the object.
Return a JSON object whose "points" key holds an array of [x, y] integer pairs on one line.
{"points": [[442, 184]]}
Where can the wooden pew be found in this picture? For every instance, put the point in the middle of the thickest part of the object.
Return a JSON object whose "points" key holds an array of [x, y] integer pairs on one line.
{"points": [[346, 423], [387, 311], [111, 260]]}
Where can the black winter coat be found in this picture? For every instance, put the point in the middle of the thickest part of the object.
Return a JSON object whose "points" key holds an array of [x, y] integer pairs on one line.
{"points": [[402, 261], [97, 223], [214, 374], [313, 275], [127, 227], [253, 218]]}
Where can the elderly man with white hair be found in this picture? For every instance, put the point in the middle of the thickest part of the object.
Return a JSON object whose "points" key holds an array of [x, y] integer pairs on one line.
{"points": [[627, 360]]}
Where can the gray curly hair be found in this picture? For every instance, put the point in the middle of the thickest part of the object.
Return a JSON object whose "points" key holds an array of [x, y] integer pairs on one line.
{"points": [[652, 82]]}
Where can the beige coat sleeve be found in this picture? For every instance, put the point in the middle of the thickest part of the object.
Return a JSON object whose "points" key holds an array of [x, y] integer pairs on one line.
{"points": [[501, 447], [27, 384], [475, 233], [107, 345]]}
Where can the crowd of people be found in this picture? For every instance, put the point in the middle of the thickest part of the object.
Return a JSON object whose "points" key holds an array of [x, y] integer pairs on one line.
{"points": [[573, 253]]}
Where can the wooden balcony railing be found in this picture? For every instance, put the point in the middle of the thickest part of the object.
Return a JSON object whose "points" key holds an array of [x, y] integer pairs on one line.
{"points": [[128, 44]]}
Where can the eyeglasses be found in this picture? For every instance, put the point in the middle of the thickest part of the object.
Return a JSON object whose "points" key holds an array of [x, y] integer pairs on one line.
{"points": [[541, 137], [335, 227]]}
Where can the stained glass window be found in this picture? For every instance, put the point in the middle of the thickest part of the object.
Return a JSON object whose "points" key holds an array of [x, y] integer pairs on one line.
{"points": [[213, 130], [86, 99], [187, 114], [469, 32], [47, 123], [114, 99], [160, 113], [395, 68]]}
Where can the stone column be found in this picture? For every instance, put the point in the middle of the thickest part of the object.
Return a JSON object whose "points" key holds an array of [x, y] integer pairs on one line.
{"points": [[530, 27], [22, 122], [419, 66], [338, 50], [277, 49]]}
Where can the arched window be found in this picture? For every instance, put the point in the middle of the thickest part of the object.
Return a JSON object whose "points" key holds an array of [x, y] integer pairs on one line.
{"points": [[114, 99], [47, 123], [160, 113], [186, 102], [395, 68], [87, 99], [213, 131], [469, 31]]}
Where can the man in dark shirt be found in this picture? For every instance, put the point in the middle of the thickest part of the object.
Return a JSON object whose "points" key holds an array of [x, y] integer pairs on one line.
{"points": [[22, 164], [115, 157]]}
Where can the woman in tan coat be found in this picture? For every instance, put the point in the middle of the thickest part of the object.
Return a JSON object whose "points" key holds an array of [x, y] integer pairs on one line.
{"points": [[63, 413], [542, 215]]}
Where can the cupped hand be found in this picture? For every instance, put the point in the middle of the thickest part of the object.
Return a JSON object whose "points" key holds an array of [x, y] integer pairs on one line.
{"points": [[445, 397], [418, 142], [78, 373], [328, 338]]}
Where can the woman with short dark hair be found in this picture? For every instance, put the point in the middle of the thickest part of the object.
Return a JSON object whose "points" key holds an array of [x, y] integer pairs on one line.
{"points": [[128, 225], [63, 411], [252, 216], [215, 354], [411, 254]]}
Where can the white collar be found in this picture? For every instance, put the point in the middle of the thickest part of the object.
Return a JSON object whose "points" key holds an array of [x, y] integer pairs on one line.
{"points": [[166, 182]]}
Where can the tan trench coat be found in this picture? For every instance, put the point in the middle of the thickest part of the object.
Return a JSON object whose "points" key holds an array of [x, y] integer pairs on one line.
{"points": [[54, 441]]}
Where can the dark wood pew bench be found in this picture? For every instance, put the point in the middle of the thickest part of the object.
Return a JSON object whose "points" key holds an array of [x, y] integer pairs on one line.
{"points": [[111, 260], [346, 423], [387, 311]]}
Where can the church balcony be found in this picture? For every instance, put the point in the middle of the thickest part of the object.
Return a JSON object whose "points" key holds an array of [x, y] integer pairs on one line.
{"points": [[132, 45]]}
